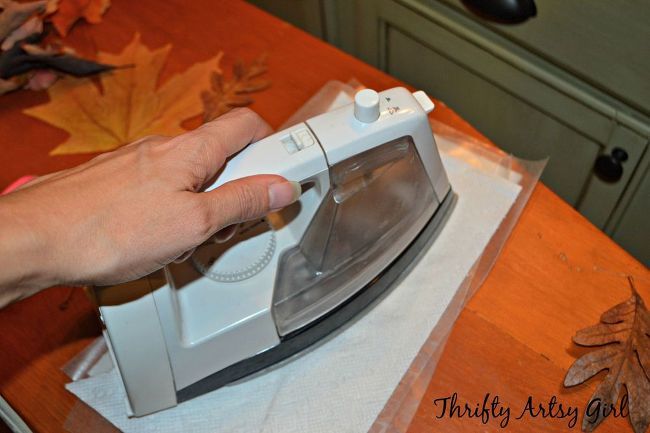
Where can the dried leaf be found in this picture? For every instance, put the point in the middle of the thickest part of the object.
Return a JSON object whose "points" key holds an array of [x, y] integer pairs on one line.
{"points": [[255, 85], [227, 94], [70, 11], [130, 105], [52, 6], [14, 14], [591, 364], [603, 333], [624, 333], [17, 61], [239, 100]]}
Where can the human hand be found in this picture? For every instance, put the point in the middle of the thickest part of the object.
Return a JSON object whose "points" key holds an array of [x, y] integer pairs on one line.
{"points": [[127, 213]]}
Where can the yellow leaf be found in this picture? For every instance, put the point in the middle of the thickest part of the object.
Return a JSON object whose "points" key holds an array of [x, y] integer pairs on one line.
{"points": [[67, 12], [130, 104]]}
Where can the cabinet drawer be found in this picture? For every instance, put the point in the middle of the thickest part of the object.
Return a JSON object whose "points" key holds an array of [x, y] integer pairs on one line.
{"points": [[632, 230], [601, 41]]}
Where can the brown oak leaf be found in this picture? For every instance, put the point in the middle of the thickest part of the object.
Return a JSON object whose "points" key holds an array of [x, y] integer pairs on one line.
{"points": [[131, 103], [624, 334], [71, 11], [235, 92]]}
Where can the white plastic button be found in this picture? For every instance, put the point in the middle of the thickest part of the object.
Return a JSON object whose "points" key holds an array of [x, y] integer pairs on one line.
{"points": [[424, 101], [298, 140], [366, 105], [303, 138]]}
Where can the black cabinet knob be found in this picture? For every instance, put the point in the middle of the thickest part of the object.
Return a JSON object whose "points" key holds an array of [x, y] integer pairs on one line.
{"points": [[609, 168], [502, 11]]}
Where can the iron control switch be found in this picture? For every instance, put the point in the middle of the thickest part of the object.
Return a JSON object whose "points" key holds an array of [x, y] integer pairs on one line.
{"points": [[298, 140], [424, 101], [366, 106]]}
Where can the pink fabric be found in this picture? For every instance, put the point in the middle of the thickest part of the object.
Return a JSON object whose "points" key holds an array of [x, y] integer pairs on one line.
{"points": [[18, 183]]}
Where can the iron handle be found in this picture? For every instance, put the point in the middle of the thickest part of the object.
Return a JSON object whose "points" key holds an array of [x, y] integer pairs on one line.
{"points": [[502, 11], [609, 168]]}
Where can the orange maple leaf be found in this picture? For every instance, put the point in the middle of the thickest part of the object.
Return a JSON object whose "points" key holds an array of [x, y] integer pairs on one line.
{"points": [[69, 12], [129, 106]]}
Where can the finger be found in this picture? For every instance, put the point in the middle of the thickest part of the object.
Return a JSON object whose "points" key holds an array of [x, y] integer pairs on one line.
{"points": [[221, 138], [234, 130], [248, 198], [225, 234], [184, 256]]}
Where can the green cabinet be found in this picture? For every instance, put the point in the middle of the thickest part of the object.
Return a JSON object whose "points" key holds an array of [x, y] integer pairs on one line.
{"points": [[305, 14], [629, 224], [600, 41], [552, 86]]}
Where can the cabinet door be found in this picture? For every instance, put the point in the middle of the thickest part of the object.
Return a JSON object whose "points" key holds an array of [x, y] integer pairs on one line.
{"points": [[600, 199], [630, 224]]}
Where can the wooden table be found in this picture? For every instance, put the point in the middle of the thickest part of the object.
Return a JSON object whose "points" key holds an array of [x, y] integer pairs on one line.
{"points": [[556, 274]]}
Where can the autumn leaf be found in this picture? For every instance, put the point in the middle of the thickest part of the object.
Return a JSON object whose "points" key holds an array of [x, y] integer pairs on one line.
{"points": [[226, 94], [130, 105], [624, 333], [70, 11]]}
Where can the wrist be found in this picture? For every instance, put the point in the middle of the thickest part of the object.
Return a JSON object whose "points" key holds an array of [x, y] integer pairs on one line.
{"points": [[24, 253]]}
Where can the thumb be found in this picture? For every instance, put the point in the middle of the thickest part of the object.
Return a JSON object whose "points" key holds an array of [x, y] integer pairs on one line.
{"points": [[249, 198]]}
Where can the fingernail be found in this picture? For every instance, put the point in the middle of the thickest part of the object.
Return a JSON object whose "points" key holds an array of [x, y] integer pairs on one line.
{"points": [[184, 256], [225, 234], [283, 194]]}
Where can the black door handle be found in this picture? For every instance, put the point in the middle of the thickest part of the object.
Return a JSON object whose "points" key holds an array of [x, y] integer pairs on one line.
{"points": [[503, 11], [609, 168]]}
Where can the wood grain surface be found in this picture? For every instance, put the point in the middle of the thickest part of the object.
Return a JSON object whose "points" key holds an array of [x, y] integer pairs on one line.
{"points": [[557, 272]]}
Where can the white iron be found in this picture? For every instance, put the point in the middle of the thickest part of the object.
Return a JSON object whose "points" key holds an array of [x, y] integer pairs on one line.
{"points": [[375, 194]]}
